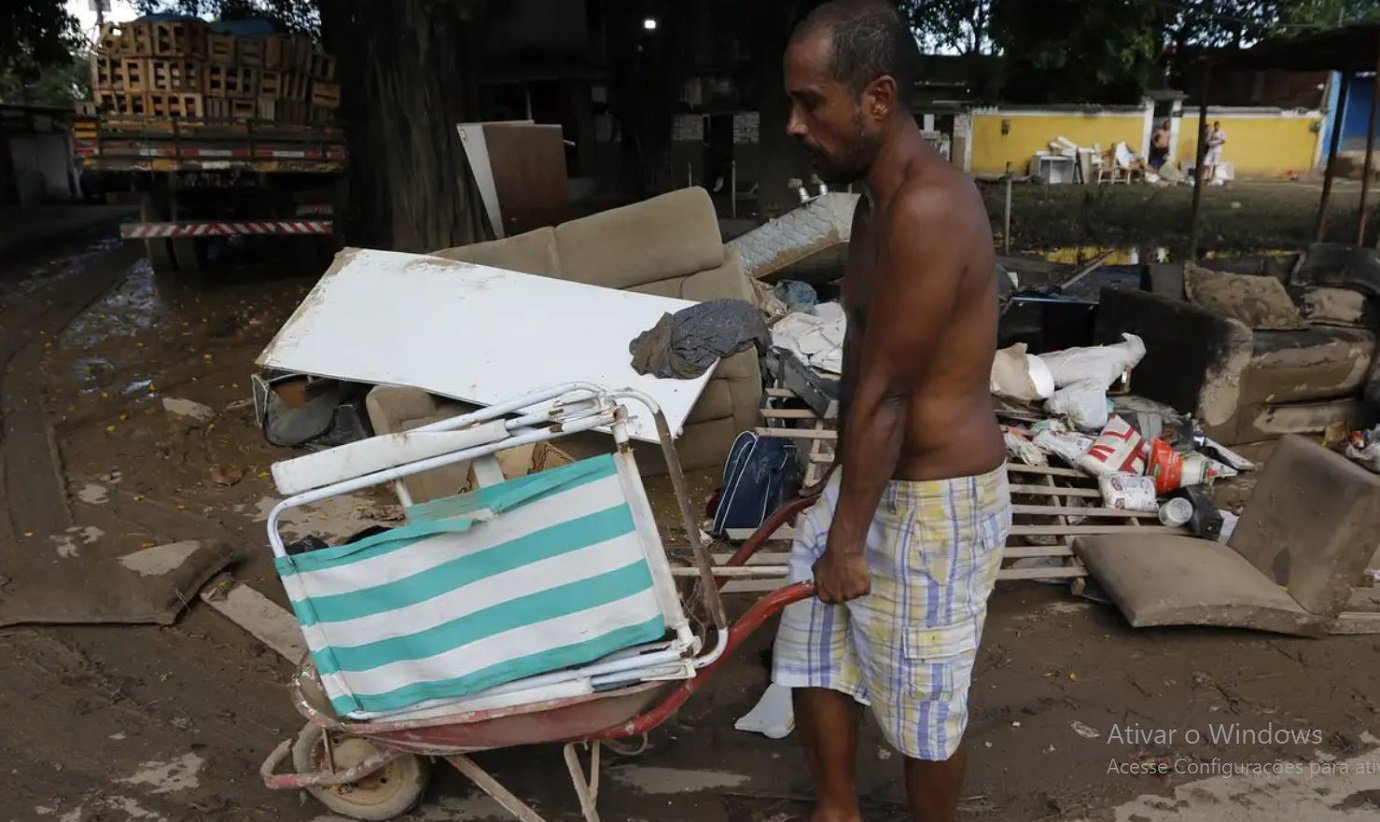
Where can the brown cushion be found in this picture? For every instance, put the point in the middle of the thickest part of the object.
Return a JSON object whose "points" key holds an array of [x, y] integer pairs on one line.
{"points": [[1259, 302], [1166, 579], [530, 253], [1310, 524], [1288, 366], [673, 235]]}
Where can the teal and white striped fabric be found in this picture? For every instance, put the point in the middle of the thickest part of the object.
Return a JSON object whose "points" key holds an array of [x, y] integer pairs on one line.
{"points": [[528, 576]]}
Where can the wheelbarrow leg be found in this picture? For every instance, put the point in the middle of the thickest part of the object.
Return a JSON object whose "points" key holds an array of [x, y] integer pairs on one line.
{"points": [[587, 789], [519, 809]]}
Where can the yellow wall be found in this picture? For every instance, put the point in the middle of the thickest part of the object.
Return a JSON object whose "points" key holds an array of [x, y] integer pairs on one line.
{"points": [[992, 150], [1263, 146]]}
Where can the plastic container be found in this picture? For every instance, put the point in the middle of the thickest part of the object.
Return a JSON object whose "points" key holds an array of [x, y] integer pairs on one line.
{"points": [[1176, 512], [1128, 492]]}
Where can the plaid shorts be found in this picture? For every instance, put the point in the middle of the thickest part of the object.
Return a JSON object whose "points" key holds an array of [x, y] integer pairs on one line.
{"points": [[907, 648]]}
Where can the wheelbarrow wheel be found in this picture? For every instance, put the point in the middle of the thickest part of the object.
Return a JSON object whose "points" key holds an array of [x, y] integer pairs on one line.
{"points": [[385, 794]]}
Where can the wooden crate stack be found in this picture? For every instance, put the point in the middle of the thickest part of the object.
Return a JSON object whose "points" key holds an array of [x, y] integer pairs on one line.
{"points": [[181, 69]]}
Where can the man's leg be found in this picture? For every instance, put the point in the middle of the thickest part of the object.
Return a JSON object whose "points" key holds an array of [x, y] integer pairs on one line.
{"points": [[933, 787], [827, 722]]}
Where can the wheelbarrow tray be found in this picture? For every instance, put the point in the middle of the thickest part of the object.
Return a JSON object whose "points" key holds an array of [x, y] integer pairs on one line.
{"points": [[533, 723]]}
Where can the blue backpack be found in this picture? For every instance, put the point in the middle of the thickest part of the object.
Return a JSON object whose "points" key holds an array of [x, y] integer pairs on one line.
{"points": [[760, 475]]}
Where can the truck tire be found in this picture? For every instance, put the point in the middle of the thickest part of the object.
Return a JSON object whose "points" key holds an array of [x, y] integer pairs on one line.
{"points": [[153, 208]]}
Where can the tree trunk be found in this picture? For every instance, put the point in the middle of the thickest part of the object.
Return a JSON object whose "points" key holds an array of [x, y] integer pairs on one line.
{"points": [[780, 159], [407, 81]]}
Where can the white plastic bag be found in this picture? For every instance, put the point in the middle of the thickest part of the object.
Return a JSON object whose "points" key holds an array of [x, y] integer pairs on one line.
{"points": [[1023, 449], [1084, 403], [1064, 445], [1020, 376], [1099, 364], [1118, 449]]}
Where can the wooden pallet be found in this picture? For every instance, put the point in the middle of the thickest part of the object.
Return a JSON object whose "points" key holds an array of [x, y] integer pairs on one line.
{"points": [[278, 52], [1045, 499], [175, 104], [176, 75], [321, 66], [243, 109], [105, 73], [220, 48], [133, 75], [249, 51], [178, 38], [271, 84], [231, 81], [325, 95], [137, 39], [120, 103]]}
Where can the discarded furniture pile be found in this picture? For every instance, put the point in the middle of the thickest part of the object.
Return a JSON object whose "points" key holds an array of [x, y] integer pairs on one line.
{"points": [[1120, 444], [1248, 351], [185, 68]]}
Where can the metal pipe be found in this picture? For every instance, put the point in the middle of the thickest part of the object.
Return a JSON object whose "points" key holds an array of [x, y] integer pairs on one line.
{"points": [[1006, 227], [1330, 172], [1198, 182], [740, 572], [399, 472], [682, 491], [1370, 148]]}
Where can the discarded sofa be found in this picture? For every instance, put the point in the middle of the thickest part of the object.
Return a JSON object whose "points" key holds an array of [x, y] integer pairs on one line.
{"points": [[669, 246], [1294, 564], [1239, 355]]}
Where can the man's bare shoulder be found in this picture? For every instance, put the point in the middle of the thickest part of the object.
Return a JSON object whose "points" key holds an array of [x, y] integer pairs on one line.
{"points": [[943, 203]]}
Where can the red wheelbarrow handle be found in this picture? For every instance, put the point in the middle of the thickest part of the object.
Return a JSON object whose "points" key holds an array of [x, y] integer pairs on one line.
{"points": [[769, 527], [761, 610]]}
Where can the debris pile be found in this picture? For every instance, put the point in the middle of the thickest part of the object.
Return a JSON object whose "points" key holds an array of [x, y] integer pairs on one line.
{"points": [[1145, 457]]}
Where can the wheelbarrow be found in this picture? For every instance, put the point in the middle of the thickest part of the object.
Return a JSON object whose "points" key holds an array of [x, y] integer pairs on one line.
{"points": [[366, 758]]}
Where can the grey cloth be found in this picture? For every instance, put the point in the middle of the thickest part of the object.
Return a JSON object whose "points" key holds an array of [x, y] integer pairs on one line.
{"points": [[684, 344]]}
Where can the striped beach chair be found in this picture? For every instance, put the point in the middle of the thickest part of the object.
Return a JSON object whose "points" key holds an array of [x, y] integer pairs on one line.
{"points": [[545, 586]]}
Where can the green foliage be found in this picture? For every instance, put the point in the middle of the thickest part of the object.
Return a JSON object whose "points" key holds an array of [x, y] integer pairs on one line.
{"points": [[34, 35], [962, 26], [54, 85]]}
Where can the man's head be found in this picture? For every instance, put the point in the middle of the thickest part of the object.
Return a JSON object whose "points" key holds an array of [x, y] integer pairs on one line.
{"points": [[1216, 125], [1165, 125], [849, 69]]}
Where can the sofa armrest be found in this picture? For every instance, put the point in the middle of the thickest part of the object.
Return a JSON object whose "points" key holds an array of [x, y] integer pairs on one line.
{"points": [[1194, 358]]}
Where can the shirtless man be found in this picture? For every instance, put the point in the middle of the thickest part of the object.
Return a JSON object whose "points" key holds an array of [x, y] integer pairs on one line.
{"points": [[906, 540]]}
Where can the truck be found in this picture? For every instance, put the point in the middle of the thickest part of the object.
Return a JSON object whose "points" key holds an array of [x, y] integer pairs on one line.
{"points": [[211, 141]]}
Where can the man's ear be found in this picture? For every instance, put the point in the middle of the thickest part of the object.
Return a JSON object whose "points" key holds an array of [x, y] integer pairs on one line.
{"points": [[880, 98]]}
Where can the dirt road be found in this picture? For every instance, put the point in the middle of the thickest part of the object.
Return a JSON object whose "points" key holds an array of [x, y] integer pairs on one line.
{"points": [[121, 723]]}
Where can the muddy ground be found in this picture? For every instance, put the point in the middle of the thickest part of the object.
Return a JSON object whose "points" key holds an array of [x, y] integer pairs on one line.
{"points": [[1247, 216], [120, 723]]}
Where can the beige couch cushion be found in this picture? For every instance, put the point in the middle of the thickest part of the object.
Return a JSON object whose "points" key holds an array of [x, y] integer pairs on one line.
{"points": [[530, 253], [668, 236], [715, 403], [662, 288], [724, 281]]}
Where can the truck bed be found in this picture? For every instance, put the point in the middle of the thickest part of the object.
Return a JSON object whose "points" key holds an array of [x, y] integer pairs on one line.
{"points": [[163, 144]]}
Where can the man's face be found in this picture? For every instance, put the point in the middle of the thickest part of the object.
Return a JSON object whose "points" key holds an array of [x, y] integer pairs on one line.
{"points": [[826, 117]]}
